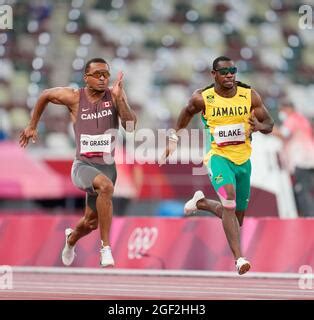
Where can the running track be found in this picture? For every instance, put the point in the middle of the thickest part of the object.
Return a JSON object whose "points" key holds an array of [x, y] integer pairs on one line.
{"points": [[93, 284]]}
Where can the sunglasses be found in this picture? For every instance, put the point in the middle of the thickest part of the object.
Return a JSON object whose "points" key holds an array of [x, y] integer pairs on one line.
{"points": [[98, 74], [225, 71]]}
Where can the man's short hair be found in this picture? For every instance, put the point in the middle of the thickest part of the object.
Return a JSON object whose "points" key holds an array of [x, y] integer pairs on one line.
{"points": [[94, 60], [218, 59]]}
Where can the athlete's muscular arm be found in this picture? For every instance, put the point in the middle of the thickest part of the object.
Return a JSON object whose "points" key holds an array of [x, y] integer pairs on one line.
{"points": [[194, 106], [260, 119], [59, 95], [126, 114]]}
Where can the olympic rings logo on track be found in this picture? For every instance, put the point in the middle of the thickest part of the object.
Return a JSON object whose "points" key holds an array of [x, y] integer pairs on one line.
{"points": [[140, 241]]}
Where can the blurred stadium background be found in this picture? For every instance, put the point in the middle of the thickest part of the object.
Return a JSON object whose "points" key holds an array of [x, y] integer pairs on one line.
{"points": [[165, 48]]}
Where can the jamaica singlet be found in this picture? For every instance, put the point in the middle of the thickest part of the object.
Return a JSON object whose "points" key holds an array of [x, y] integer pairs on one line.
{"points": [[226, 123]]}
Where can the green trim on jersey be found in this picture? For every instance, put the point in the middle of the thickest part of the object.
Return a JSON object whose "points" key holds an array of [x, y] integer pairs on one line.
{"points": [[208, 137]]}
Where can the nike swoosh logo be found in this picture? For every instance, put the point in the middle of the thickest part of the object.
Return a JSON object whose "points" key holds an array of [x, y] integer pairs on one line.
{"points": [[85, 109]]}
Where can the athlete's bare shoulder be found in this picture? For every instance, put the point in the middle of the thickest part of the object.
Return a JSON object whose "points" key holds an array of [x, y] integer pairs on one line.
{"points": [[260, 110], [62, 95], [197, 101], [256, 99]]}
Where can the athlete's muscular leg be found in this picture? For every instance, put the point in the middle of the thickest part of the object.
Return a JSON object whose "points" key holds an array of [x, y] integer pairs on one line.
{"points": [[86, 225], [229, 219], [104, 187], [210, 205], [216, 208]]}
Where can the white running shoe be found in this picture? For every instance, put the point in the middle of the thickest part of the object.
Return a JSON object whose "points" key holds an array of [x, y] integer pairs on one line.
{"points": [[242, 265], [190, 206], [68, 253], [106, 259]]}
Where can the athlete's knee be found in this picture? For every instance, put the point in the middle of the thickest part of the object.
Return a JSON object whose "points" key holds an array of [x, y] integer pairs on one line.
{"points": [[228, 204], [227, 198], [103, 185], [106, 188]]}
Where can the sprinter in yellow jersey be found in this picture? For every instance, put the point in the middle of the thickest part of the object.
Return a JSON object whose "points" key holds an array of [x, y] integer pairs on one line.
{"points": [[231, 111]]}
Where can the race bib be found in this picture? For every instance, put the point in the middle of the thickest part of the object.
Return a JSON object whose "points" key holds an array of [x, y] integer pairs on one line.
{"points": [[95, 144], [229, 134]]}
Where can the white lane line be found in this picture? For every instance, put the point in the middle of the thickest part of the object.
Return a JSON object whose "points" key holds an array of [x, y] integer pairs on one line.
{"points": [[163, 294], [153, 272], [100, 286], [178, 290], [95, 280], [186, 282]]}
